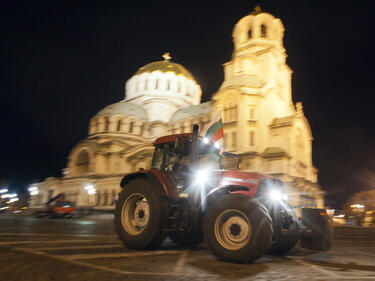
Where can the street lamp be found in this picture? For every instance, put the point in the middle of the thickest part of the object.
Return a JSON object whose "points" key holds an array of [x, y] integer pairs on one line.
{"points": [[13, 200], [13, 195], [33, 190], [90, 191], [4, 190], [359, 206]]}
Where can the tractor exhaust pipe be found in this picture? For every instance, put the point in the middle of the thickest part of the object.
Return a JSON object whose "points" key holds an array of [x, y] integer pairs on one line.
{"points": [[194, 147]]}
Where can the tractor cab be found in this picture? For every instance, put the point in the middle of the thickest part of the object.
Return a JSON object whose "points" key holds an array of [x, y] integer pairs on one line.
{"points": [[178, 148]]}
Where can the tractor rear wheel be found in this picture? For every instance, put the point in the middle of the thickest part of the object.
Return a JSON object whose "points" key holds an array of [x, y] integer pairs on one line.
{"points": [[140, 215], [237, 228]]}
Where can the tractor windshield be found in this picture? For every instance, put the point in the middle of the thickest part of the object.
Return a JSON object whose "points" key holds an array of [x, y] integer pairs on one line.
{"points": [[167, 154]]}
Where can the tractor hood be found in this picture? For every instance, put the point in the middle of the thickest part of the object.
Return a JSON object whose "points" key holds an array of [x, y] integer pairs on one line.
{"points": [[218, 178]]}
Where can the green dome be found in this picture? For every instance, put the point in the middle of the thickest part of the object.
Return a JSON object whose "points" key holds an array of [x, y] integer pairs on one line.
{"points": [[126, 109], [165, 66]]}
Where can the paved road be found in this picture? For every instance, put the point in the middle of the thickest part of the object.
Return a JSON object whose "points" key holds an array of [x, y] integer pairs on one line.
{"points": [[82, 249]]}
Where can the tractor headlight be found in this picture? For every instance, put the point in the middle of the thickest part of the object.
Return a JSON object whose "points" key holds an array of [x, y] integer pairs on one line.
{"points": [[277, 195], [201, 177]]}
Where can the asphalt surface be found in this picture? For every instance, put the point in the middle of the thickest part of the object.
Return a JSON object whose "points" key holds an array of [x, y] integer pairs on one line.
{"points": [[88, 249]]}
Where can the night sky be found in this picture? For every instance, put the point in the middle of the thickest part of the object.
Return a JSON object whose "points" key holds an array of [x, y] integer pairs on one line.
{"points": [[63, 61]]}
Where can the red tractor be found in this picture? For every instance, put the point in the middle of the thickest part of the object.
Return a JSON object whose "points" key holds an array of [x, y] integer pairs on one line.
{"points": [[188, 196], [57, 207]]}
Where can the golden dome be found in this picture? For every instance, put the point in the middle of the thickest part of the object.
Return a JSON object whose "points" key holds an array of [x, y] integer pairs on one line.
{"points": [[165, 66]]}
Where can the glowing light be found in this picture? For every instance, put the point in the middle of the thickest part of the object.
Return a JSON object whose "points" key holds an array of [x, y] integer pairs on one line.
{"points": [[4, 208], [4, 190], [277, 195], [217, 145], [33, 188], [13, 200], [34, 192], [359, 206], [91, 191], [13, 195], [339, 216], [206, 140], [201, 176], [5, 196], [89, 186]]}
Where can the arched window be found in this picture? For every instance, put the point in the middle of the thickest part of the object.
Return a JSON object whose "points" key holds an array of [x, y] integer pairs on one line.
{"points": [[230, 112], [113, 198], [168, 85], [234, 139], [249, 34], [98, 197], [189, 91], [83, 162], [252, 114], [156, 83], [97, 124], [131, 126], [263, 31], [119, 125], [105, 199], [179, 87], [106, 124], [252, 138]]}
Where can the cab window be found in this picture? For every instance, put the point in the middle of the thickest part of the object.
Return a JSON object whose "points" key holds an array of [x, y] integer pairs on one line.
{"points": [[157, 160]]}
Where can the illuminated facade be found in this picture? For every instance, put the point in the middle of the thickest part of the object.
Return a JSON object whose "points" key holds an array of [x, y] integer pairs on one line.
{"points": [[260, 121]]}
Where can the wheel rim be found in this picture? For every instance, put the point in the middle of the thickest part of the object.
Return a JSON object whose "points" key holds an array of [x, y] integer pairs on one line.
{"points": [[232, 229], [135, 214]]}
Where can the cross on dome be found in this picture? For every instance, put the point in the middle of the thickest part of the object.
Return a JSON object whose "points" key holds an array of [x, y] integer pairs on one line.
{"points": [[257, 10], [166, 56]]}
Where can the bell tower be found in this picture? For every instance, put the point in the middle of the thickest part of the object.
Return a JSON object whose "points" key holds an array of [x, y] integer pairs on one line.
{"points": [[257, 83], [258, 50]]}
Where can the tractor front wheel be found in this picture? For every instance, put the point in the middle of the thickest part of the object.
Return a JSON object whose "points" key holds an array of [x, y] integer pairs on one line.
{"points": [[237, 229]]}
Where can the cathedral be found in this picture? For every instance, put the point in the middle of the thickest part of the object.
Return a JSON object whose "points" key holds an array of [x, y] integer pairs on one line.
{"points": [[261, 122]]}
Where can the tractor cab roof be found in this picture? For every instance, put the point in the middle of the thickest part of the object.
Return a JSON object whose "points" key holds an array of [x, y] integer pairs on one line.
{"points": [[171, 138]]}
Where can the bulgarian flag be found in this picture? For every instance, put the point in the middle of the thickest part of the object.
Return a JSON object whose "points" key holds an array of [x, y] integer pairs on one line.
{"points": [[214, 132]]}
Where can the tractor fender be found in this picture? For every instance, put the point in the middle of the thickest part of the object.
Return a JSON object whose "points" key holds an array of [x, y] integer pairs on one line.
{"points": [[154, 181], [218, 192]]}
